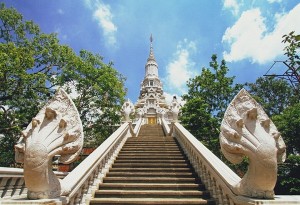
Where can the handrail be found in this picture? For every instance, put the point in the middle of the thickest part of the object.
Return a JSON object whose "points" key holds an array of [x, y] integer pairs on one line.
{"points": [[216, 175], [80, 179], [165, 126], [138, 126], [12, 182]]}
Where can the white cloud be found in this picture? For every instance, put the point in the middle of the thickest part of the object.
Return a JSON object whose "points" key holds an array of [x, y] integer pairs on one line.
{"points": [[104, 17], [272, 1], [169, 98], [232, 5], [102, 14], [248, 38], [181, 67]]}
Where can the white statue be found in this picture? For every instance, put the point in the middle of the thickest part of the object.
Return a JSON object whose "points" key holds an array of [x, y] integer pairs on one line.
{"points": [[56, 130], [175, 109], [246, 130], [127, 109], [140, 112]]}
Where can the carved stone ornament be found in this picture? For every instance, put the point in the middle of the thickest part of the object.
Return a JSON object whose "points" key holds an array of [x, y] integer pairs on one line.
{"points": [[246, 130], [175, 109], [56, 130], [127, 109]]}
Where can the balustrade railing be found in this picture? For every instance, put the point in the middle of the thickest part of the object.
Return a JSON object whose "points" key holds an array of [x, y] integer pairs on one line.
{"points": [[138, 125], [215, 175], [12, 182], [218, 178], [80, 183]]}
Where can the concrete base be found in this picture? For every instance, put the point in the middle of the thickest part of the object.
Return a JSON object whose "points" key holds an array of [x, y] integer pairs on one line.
{"points": [[279, 200], [20, 201]]}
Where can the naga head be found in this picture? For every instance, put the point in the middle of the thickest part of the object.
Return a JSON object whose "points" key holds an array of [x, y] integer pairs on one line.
{"points": [[247, 131], [127, 109], [56, 130]]}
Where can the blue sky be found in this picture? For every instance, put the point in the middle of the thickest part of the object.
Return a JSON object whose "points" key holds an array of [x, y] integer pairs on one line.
{"points": [[246, 33]]}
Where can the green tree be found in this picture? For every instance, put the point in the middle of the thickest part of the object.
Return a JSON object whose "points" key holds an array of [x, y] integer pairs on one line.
{"points": [[99, 94], [292, 49], [206, 102], [272, 93], [33, 64], [288, 123]]}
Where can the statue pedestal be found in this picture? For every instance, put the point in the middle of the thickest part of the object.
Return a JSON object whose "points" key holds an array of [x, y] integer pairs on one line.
{"points": [[24, 200], [278, 199]]}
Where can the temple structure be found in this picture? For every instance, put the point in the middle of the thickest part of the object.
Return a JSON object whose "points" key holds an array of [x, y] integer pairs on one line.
{"points": [[151, 102]]}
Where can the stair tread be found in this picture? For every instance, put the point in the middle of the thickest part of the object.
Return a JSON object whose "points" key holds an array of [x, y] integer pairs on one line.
{"points": [[150, 201], [147, 174], [152, 161], [153, 191], [175, 169], [148, 185]]}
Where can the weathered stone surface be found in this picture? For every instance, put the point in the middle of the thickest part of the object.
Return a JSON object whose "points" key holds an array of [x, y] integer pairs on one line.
{"points": [[56, 130], [246, 130]]}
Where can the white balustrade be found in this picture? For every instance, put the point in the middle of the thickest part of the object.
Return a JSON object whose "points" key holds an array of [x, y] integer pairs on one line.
{"points": [[218, 178], [81, 182], [12, 182]]}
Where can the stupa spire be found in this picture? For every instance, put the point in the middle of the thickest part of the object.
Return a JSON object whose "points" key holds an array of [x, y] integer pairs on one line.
{"points": [[151, 55]]}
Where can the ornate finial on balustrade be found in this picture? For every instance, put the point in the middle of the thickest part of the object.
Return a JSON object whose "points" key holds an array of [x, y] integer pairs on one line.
{"points": [[127, 109], [140, 112], [246, 130], [175, 109], [56, 130]]}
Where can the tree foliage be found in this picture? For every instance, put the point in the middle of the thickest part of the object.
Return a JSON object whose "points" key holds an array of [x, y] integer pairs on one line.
{"points": [[206, 102], [272, 93], [33, 64], [292, 49], [288, 123]]}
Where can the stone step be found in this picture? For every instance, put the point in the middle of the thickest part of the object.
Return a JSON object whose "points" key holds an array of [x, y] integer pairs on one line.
{"points": [[152, 138], [151, 201], [149, 186], [155, 154], [152, 174], [153, 144], [167, 152], [148, 165], [151, 149], [172, 161], [150, 194], [142, 144], [158, 143], [164, 180], [149, 169], [147, 157]]}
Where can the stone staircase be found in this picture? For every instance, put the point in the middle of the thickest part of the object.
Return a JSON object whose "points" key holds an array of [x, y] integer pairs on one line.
{"points": [[151, 169]]}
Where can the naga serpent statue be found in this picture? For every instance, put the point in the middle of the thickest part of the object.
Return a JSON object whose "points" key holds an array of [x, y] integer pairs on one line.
{"points": [[247, 131], [56, 130]]}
